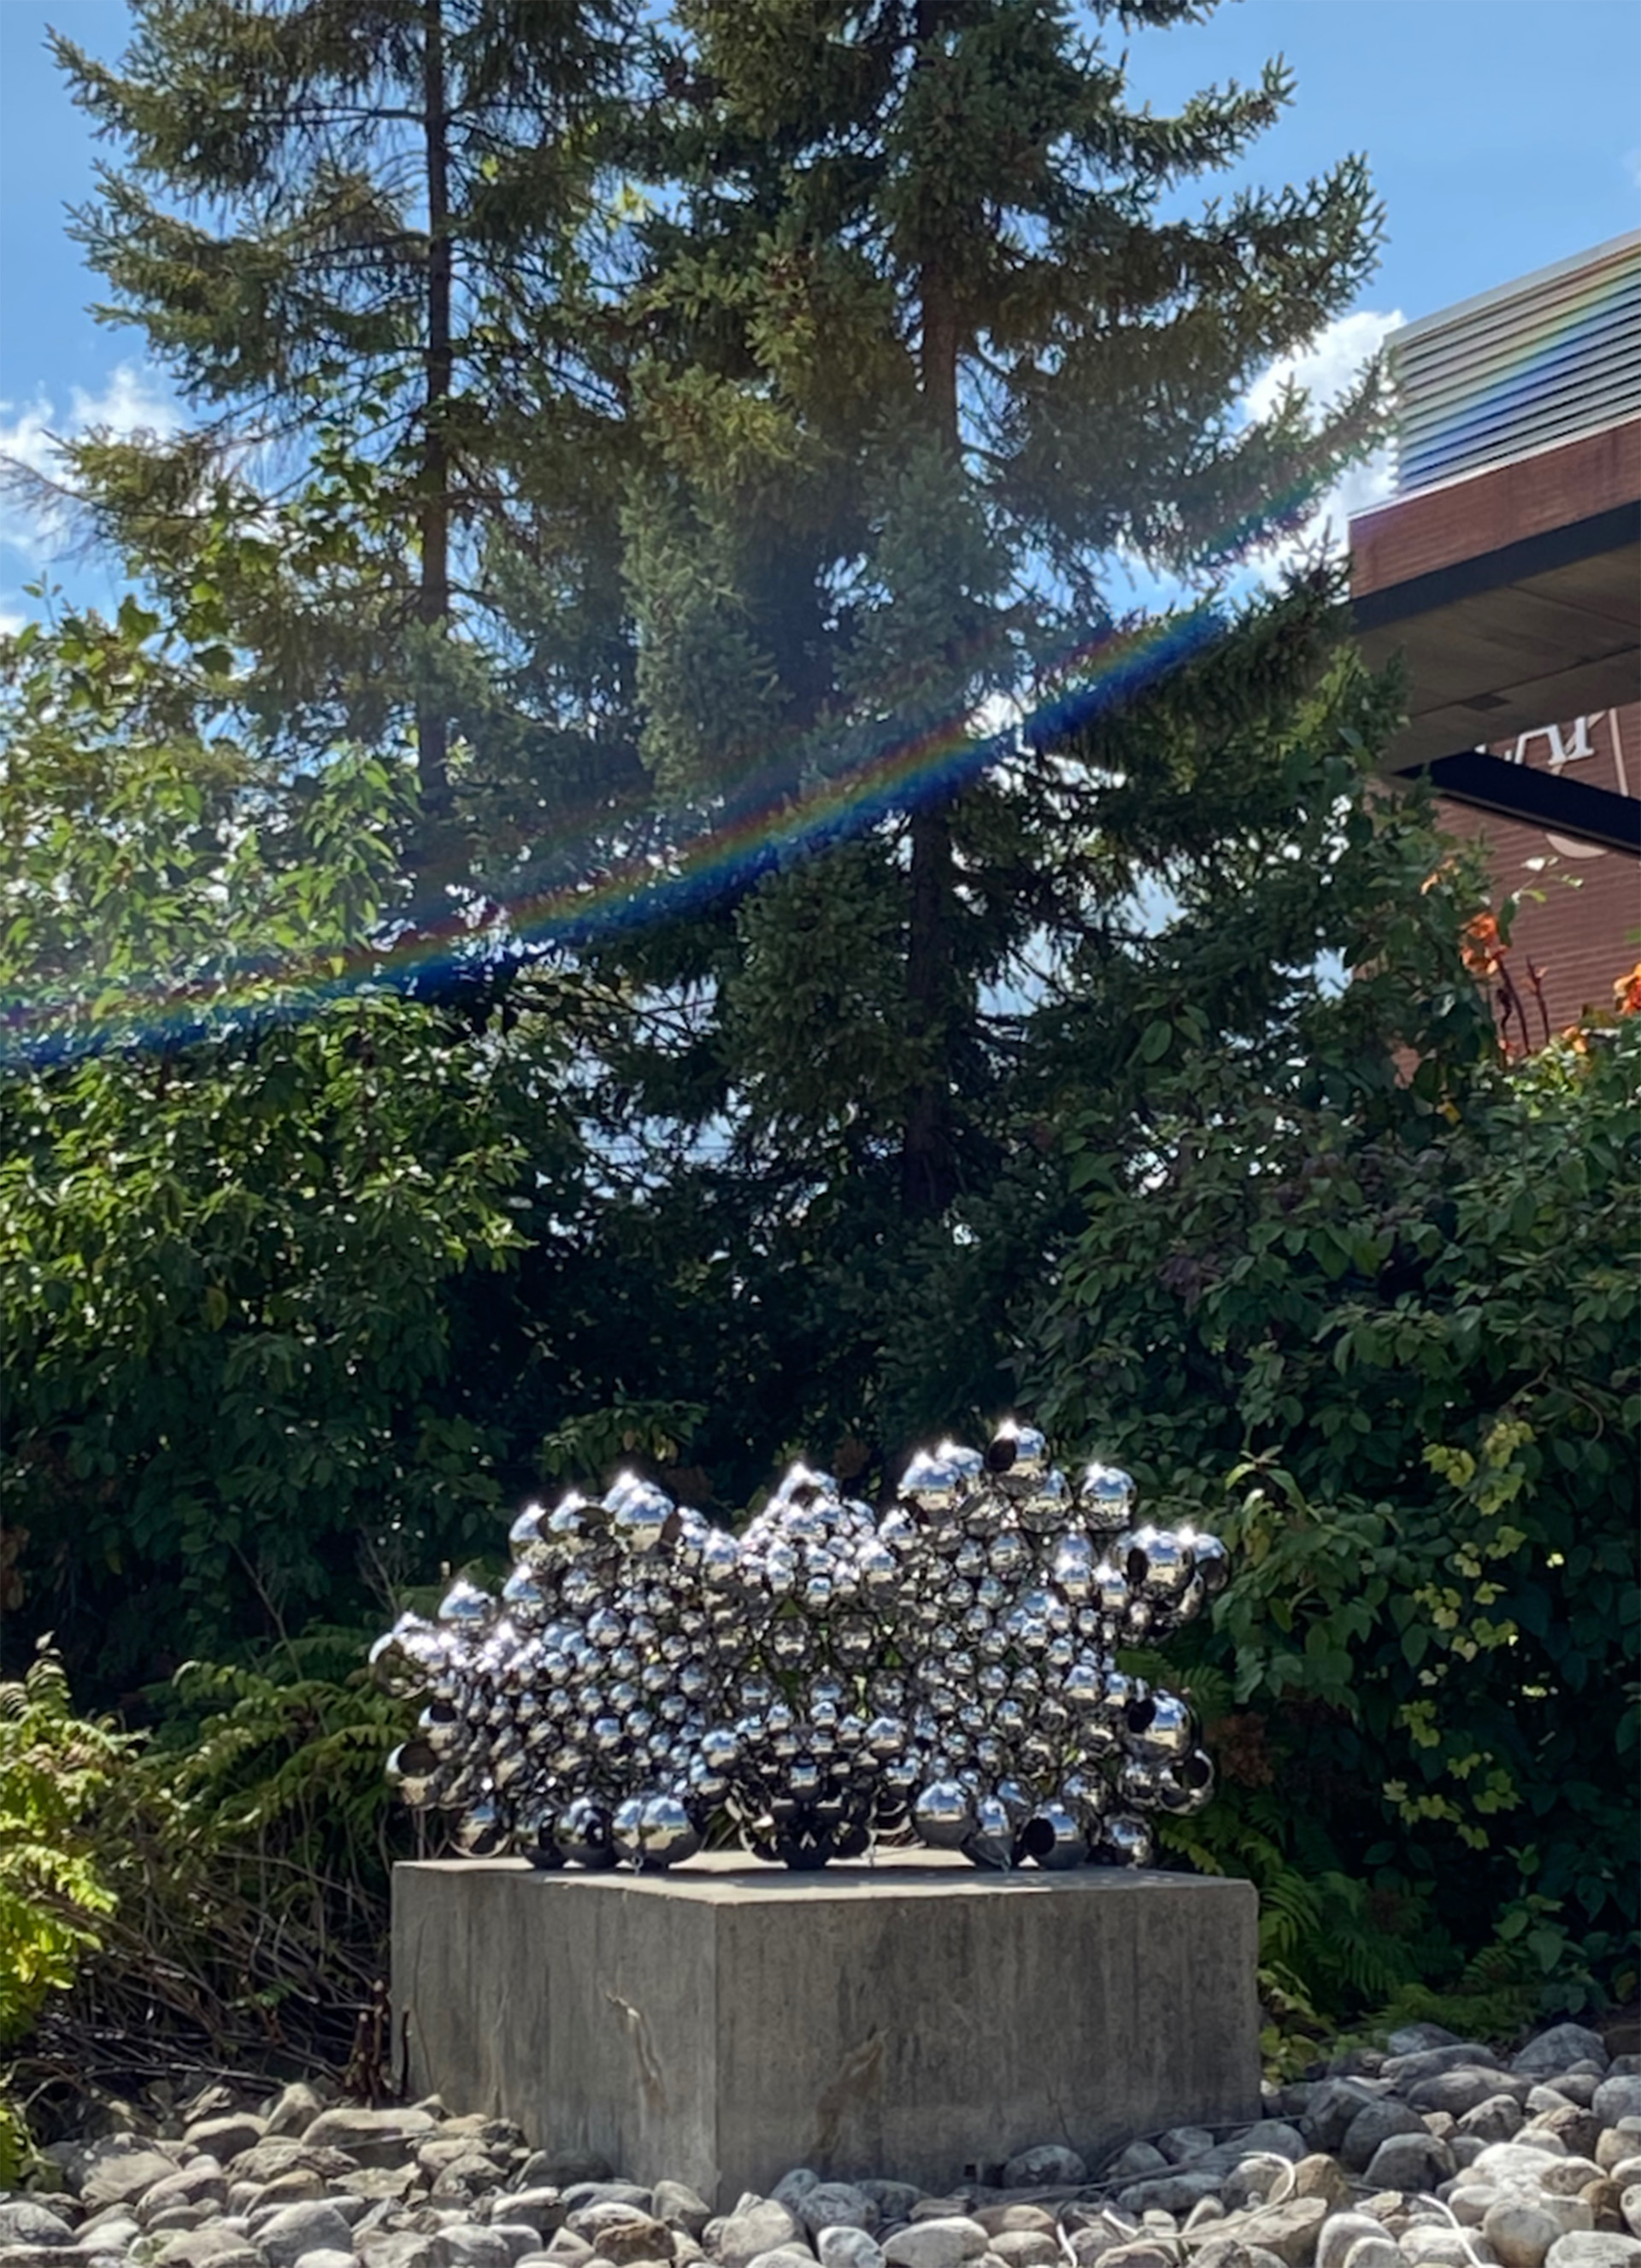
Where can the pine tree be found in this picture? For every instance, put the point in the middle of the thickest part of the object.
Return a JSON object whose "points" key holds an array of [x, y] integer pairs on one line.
{"points": [[359, 236], [930, 341]]}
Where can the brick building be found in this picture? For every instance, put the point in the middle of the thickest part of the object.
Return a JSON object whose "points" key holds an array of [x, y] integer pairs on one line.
{"points": [[1505, 571]]}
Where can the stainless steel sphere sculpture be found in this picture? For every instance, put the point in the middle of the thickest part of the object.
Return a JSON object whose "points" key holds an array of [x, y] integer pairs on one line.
{"points": [[830, 1680]]}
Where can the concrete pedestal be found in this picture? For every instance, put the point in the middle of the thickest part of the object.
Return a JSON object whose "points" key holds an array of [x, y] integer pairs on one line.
{"points": [[922, 2021]]}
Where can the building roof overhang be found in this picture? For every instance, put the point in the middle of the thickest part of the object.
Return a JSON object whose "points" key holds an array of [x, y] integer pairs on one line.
{"points": [[1512, 596]]}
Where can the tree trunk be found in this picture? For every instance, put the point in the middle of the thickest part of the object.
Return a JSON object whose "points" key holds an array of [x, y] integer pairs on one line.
{"points": [[433, 596], [928, 1177]]}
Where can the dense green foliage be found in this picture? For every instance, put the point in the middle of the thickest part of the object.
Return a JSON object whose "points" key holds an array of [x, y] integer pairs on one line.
{"points": [[54, 1770], [1375, 1317]]}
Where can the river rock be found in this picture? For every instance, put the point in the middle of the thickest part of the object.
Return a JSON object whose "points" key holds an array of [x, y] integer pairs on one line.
{"points": [[1414, 2039], [1290, 2229], [1374, 2124], [1434, 2244], [895, 2200], [837, 2205], [1048, 2165], [1410, 2161], [1561, 2045], [1577, 2130], [1331, 2106], [1520, 2232], [1319, 2175], [22, 2222], [469, 2244], [293, 2111], [1377, 2251], [213, 2246], [944, 2243], [1141, 2252], [1616, 2097], [1134, 2163], [621, 2233], [121, 2169], [757, 2225], [1574, 2086], [202, 2181], [404, 2247], [1498, 2119], [1024, 2248], [680, 2207], [370, 2137], [1461, 2089], [224, 2138], [1339, 2232], [1404, 2072], [1595, 2248], [840, 2246], [312, 2226]]}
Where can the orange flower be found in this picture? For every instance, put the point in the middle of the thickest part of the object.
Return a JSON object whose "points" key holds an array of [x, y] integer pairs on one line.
{"points": [[1482, 949], [1626, 993]]}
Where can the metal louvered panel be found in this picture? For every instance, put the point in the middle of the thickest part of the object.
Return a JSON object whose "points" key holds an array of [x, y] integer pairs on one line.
{"points": [[1521, 368]]}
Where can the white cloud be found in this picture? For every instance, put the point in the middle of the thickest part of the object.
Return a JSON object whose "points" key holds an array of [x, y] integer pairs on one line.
{"points": [[132, 402], [1326, 371]]}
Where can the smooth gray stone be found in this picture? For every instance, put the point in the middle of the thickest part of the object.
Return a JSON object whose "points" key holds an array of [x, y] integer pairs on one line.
{"points": [[469, 2244], [621, 2233], [224, 2138], [1378, 2251], [315, 2226], [293, 2111], [1045, 2165], [1461, 2089], [1595, 2248], [1180, 2145], [1373, 2123], [1497, 2119], [324, 2258], [944, 2243], [562, 2169], [579, 2195], [1333, 2104], [1023, 2247], [1291, 2230], [1519, 2232], [794, 2185], [760, 2225], [24, 2223], [839, 2246], [1416, 2039], [837, 2205], [1339, 2232], [707, 2024], [680, 2207], [1553, 2050], [1618, 2096], [201, 2182], [518, 2237], [404, 2247], [1410, 2161], [121, 2170], [1406, 2071], [542, 2208], [1139, 2159], [895, 2200]]}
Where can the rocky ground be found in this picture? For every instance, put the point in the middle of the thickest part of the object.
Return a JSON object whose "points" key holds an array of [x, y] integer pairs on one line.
{"points": [[1434, 2154]]}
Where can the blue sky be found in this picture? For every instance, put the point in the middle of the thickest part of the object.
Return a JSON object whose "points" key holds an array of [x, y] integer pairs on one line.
{"points": [[1501, 134]]}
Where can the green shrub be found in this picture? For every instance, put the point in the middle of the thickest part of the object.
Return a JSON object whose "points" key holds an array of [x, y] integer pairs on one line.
{"points": [[1375, 1318]]}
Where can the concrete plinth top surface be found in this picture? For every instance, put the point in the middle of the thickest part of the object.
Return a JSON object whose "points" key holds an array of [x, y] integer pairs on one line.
{"points": [[727, 1877], [918, 2018]]}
